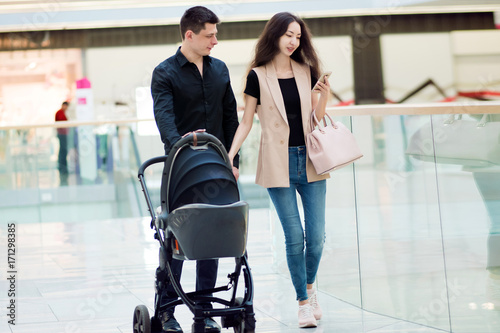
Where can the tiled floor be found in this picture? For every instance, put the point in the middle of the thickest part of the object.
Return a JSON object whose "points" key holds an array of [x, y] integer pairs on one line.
{"points": [[88, 277]]}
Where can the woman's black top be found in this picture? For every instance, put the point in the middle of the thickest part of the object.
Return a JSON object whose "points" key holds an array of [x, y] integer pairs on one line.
{"points": [[291, 98]]}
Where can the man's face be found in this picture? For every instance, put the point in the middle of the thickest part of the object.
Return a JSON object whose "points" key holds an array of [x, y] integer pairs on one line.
{"points": [[205, 40]]}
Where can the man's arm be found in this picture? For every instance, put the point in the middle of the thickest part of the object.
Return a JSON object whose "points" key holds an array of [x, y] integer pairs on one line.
{"points": [[163, 104]]}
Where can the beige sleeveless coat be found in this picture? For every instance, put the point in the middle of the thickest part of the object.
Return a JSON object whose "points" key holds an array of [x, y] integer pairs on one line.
{"points": [[272, 164]]}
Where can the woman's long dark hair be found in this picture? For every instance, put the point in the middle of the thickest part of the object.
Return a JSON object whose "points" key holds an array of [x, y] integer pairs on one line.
{"points": [[268, 43]]}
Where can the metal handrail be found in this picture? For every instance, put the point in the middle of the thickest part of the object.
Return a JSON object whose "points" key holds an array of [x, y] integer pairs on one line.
{"points": [[465, 107]]}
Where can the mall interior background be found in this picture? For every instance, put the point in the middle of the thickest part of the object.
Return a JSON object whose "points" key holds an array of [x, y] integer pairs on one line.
{"points": [[405, 238]]}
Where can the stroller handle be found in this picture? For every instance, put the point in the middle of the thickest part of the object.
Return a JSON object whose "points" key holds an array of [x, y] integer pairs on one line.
{"points": [[197, 138], [149, 162], [140, 175]]}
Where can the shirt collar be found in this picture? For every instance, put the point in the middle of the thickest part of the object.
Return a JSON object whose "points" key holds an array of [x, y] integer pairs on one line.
{"points": [[183, 60]]}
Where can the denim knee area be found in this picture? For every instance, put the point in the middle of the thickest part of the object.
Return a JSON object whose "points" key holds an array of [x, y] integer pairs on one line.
{"points": [[303, 242]]}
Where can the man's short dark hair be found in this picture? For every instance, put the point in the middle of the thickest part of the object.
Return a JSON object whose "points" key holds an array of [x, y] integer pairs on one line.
{"points": [[194, 19], [65, 103]]}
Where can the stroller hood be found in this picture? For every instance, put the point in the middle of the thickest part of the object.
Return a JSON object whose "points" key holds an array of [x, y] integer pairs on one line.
{"points": [[198, 174]]}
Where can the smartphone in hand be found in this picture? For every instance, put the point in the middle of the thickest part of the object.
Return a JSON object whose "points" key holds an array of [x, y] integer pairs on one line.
{"points": [[322, 79]]}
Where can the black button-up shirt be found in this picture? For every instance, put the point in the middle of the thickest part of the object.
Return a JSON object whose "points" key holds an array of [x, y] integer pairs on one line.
{"points": [[184, 101]]}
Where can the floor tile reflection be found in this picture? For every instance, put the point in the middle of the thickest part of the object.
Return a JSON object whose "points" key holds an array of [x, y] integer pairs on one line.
{"points": [[88, 277]]}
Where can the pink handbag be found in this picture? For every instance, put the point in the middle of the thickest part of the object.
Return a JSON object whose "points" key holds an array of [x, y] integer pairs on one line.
{"points": [[331, 147]]}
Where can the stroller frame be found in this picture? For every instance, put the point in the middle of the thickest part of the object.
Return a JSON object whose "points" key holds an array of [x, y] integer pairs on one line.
{"points": [[238, 311]]}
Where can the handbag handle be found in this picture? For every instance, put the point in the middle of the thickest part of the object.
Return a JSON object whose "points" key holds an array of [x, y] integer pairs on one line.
{"points": [[314, 121], [482, 123], [451, 119]]}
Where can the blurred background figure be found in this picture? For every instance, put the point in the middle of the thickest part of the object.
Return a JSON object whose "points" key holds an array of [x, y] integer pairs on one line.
{"points": [[62, 135]]}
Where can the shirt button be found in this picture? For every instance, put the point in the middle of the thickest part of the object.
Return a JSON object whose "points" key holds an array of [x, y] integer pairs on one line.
{"points": [[282, 142], [270, 108], [276, 125]]}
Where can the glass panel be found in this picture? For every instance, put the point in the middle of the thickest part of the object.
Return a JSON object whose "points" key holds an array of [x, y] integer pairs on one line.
{"points": [[94, 178], [468, 170], [400, 244], [339, 269]]}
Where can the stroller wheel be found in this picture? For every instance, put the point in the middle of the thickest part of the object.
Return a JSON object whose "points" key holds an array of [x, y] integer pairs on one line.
{"points": [[247, 324], [142, 323]]}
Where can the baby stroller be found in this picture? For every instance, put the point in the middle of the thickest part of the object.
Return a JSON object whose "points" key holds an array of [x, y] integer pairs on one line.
{"points": [[201, 217]]}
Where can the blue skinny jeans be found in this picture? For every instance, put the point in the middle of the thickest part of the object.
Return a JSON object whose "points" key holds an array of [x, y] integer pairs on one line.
{"points": [[303, 247]]}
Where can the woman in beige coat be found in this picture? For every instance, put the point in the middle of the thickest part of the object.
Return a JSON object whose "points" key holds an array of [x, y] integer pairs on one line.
{"points": [[278, 88]]}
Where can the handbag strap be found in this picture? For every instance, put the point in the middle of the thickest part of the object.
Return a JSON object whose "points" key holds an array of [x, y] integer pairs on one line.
{"points": [[482, 123], [485, 119], [314, 121]]}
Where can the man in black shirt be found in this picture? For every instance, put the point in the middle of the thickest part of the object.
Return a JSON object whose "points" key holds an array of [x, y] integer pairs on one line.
{"points": [[192, 91]]}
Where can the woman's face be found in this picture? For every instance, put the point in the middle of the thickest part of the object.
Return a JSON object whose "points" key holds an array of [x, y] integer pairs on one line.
{"points": [[290, 41]]}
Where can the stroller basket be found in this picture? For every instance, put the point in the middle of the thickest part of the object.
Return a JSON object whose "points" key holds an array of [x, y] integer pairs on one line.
{"points": [[204, 231]]}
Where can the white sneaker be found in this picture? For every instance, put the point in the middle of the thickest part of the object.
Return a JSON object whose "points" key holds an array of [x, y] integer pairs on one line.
{"points": [[313, 300], [306, 316]]}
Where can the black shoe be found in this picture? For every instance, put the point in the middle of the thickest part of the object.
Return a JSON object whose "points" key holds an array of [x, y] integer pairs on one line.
{"points": [[169, 323], [211, 326]]}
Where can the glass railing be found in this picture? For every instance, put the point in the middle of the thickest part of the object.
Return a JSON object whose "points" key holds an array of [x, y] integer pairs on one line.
{"points": [[413, 228], [94, 178]]}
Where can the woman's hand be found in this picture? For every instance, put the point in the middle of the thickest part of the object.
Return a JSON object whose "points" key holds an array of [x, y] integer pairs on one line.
{"points": [[323, 88], [243, 129], [236, 171], [319, 105]]}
